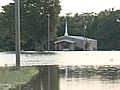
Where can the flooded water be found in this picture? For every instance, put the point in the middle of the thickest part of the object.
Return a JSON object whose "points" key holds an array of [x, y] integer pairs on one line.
{"points": [[87, 84], [90, 80], [73, 81], [70, 70], [63, 58]]}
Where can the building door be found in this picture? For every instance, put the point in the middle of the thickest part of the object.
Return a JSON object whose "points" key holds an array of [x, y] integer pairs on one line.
{"points": [[66, 46]]}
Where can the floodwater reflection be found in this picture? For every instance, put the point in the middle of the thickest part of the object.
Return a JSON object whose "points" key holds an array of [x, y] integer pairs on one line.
{"points": [[44, 81], [86, 78], [91, 78], [74, 77]]}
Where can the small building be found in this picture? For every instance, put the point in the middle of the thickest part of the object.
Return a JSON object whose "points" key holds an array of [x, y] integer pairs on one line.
{"points": [[74, 43]]}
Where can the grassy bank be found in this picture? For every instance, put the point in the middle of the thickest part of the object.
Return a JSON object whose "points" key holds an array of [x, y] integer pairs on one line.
{"points": [[10, 77]]}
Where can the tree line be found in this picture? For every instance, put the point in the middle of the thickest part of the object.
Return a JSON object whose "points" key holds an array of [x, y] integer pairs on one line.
{"points": [[34, 18], [103, 26]]}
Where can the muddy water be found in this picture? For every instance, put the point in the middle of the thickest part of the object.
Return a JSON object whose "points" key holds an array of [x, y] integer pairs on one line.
{"points": [[76, 79], [56, 78]]}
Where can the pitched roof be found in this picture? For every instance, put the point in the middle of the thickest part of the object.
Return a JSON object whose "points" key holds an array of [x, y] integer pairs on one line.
{"points": [[78, 37], [65, 41], [82, 38]]}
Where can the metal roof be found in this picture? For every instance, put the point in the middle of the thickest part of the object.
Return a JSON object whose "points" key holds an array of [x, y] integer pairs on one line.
{"points": [[79, 37], [82, 38], [65, 41]]}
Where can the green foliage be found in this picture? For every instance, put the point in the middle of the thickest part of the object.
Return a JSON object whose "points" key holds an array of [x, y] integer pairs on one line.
{"points": [[34, 23], [108, 30], [102, 26], [75, 23], [10, 78]]}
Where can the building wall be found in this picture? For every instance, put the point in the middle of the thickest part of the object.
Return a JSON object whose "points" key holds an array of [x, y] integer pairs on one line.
{"points": [[64, 46], [78, 45], [92, 46]]}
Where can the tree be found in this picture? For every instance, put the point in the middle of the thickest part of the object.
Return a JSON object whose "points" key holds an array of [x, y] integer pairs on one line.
{"points": [[6, 37], [102, 26], [76, 23], [108, 30], [34, 22]]}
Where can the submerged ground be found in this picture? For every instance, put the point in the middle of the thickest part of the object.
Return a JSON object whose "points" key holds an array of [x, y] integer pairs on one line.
{"points": [[10, 77]]}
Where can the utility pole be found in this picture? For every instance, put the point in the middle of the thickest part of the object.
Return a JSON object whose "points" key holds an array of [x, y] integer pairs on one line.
{"points": [[85, 37], [49, 85], [17, 32], [48, 32]]}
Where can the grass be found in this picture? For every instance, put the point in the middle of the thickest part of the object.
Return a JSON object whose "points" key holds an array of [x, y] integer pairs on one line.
{"points": [[10, 77]]}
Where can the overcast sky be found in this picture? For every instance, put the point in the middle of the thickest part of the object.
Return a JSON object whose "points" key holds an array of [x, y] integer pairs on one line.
{"points": [[80, 6]]}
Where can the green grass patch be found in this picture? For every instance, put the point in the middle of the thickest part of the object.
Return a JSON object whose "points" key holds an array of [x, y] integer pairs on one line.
{"points": [[10, 77]]}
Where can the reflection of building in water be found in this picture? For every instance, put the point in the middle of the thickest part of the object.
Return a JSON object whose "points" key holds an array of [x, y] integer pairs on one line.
{"points": [[72, 43]]}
